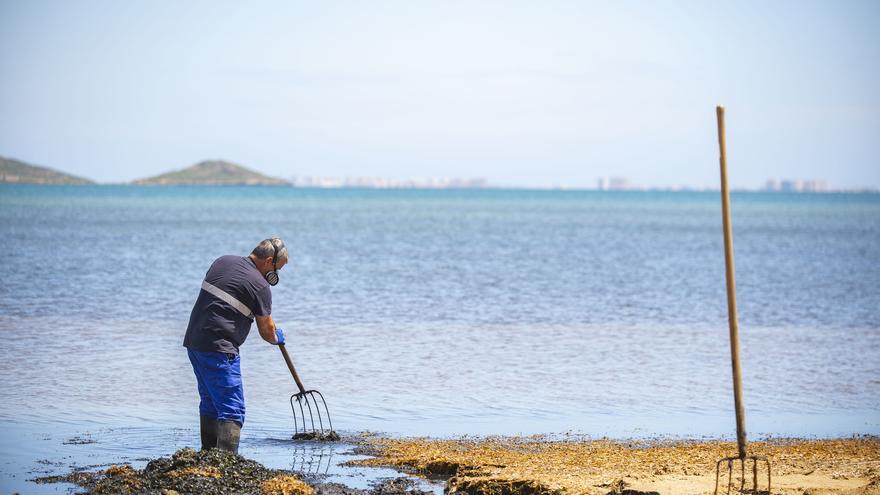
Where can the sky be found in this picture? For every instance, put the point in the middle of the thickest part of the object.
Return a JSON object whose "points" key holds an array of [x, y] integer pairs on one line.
{"points": [[523, 94]]}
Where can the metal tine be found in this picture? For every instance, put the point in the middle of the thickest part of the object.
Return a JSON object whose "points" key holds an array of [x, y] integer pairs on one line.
{"points": [[755, 459], [729, 475], [305, 398], [301, 412], [295, 421], [318, 409], [303, 407], [755, 474], [327, 410]]}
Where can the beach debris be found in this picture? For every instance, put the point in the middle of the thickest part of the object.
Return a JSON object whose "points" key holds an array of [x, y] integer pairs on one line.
{"points": [[79, 440]]}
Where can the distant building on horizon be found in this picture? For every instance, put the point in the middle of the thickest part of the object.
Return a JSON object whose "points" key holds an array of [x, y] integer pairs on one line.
{"points": [[797, 185], [383, 183], [614, 184]]}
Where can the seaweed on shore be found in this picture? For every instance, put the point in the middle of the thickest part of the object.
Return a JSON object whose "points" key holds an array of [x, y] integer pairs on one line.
{"points": [[536, 466], [211, 472], [214, 472], [331, 436]]}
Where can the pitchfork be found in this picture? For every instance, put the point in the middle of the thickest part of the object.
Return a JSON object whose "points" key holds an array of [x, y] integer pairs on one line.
{"points": [[742, 456], [309, 409]]}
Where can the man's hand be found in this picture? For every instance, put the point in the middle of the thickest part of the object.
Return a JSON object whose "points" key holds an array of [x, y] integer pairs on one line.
{"points": [[279, 336]]}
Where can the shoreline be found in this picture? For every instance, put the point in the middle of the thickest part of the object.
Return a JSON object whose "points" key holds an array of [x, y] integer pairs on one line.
{"points": [[535, 465]]}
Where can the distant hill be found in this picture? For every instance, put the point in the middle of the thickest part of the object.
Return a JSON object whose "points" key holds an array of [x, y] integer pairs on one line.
{"points": [[16, 172], [213, 173]]}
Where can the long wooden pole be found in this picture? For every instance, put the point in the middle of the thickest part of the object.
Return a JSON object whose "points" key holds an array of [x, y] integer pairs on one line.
{"points": [[731, 292], [299, 383]]}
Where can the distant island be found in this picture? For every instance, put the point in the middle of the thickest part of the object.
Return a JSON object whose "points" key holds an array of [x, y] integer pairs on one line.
{"points": [[16, 172], [213, 173]]}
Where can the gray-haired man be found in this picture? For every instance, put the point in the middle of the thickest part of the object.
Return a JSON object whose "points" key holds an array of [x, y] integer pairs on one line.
{"points": [[236, 290]]}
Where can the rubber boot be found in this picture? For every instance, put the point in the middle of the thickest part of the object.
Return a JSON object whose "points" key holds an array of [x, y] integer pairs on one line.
{"points": [[208, 428], [228, 434]]}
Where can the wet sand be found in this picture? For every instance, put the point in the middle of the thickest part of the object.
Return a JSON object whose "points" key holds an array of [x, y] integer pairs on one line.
{"points": [[521, 466], [537, 465]]}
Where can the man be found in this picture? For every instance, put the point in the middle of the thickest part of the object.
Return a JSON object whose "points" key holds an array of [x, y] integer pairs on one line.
{"points": [[236, 290]]}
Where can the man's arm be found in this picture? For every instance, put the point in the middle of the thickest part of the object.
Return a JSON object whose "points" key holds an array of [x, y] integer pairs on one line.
{"points": [[266, 326]]}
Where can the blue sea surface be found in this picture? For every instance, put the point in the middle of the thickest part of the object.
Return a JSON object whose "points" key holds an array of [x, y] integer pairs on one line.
{"points": [[424, 312]]}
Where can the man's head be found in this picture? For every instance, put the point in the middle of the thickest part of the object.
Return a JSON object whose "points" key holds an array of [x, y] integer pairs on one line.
{"points": [[270, 256]]}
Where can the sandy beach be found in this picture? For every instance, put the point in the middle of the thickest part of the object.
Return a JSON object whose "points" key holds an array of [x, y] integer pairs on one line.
{"points": [[536, 465]]}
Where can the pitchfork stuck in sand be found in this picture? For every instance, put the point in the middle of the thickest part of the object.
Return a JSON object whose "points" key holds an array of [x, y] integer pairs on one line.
{"points": [[312, 422], [742, 458]]}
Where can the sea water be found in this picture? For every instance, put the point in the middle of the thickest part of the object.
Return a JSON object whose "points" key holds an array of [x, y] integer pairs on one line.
{"points": [[422, 312]]}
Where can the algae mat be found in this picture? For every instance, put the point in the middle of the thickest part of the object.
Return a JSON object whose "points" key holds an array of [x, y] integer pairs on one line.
{"points": [[538, 466]]}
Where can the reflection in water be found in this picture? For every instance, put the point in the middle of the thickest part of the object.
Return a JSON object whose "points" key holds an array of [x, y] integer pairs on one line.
{"points": [[312, 459]]}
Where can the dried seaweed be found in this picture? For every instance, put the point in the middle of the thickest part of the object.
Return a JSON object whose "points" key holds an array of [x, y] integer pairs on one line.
{"points": [[537, 466], [285, 485]]}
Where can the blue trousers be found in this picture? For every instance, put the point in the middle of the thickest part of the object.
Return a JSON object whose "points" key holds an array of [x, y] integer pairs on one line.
{"points": [[220, 385]]}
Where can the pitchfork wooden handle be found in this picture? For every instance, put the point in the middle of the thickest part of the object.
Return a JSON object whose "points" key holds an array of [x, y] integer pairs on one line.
{"points": [[289, 362]]}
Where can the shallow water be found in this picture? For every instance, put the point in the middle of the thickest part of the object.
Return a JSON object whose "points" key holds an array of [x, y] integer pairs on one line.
{"points": [[436, 313]]}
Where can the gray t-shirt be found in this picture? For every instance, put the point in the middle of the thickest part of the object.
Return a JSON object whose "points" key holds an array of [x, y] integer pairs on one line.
{"points": [[216, 325]]}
